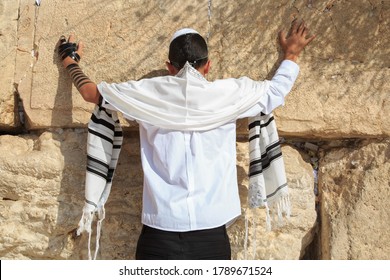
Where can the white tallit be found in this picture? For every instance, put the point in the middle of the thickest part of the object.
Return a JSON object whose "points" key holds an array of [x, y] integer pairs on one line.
{"points": [[185, 102]]}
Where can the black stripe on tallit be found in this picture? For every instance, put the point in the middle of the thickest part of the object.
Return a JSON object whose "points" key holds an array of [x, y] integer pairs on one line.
{"points": [[264, 165], [268, 149], [257, 123], [270, 152], [265, 158], [257, 135], [110, 175], [102, 109], [104, 176], [108, 139], [90, 202], [278, 189], [101, 121], [118, 133], [105, 165]]}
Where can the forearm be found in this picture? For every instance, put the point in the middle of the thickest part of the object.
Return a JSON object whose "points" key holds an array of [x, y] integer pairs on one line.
{"points": [[279, 86], [84, 85]]}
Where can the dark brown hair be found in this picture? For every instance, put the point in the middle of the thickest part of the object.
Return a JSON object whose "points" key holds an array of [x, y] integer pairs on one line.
{"points": [[190, 47]]}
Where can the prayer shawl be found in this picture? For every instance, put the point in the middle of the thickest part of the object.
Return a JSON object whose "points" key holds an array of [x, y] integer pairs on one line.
{"points": [[268, 187], [267, 178], [186, 102], [103, 147]]}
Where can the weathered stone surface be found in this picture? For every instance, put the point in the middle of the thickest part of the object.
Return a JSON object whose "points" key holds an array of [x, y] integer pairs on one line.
{"points": [[354, 187], [8, 28], [33, 187], [42, 190], [344, 86], [124, 40], [287, 242]]}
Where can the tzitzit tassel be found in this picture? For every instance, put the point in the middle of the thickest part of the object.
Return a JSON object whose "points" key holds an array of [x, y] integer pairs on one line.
{"points": [[85, 224], [101, 216]]}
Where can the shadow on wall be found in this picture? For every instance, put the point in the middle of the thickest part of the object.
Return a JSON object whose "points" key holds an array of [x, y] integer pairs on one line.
{"points": [[352, 40], [64, 232], [356, 32]]}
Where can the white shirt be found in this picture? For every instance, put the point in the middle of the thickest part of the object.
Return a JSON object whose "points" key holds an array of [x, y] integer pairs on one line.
{"points": [[190, 176]]}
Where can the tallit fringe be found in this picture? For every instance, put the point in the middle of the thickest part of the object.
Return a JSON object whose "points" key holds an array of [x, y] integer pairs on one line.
{"points": [[279, 210], [275, 214], [85, 225]]}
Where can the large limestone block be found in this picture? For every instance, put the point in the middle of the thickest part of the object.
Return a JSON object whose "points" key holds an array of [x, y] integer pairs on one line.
{"points": [[33, 186], [8, 40], [344, 85], [282, 243], [42, 193], [42, 190], [124, 40], [354, 187]]}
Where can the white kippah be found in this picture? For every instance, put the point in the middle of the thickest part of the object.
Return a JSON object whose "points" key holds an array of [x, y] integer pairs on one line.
{"points": [[183, 32]]}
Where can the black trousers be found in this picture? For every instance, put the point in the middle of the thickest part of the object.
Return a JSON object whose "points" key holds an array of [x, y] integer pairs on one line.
{"points": [[209, 244]]}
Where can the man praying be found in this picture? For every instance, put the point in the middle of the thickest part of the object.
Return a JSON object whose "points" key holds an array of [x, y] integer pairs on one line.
{"points": [[187, 128]]}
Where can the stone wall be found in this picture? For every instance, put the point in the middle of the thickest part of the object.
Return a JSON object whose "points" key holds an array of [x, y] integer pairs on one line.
{"points": [[335, 120]]}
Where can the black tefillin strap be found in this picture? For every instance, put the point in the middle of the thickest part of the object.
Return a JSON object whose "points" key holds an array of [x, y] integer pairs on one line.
{"points": [[66, 49]]}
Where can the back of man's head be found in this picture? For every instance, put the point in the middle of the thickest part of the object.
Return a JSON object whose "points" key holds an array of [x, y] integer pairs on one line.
{"points": [[188, 45]]}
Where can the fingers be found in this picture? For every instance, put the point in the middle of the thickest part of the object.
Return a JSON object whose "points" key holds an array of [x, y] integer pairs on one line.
{"points": [[71, 38], [80, 48], [68, 48], [301, 28], [311, 38], [282, 35], [62, 39], [304, 32], [294, 26], [282, 38]]}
